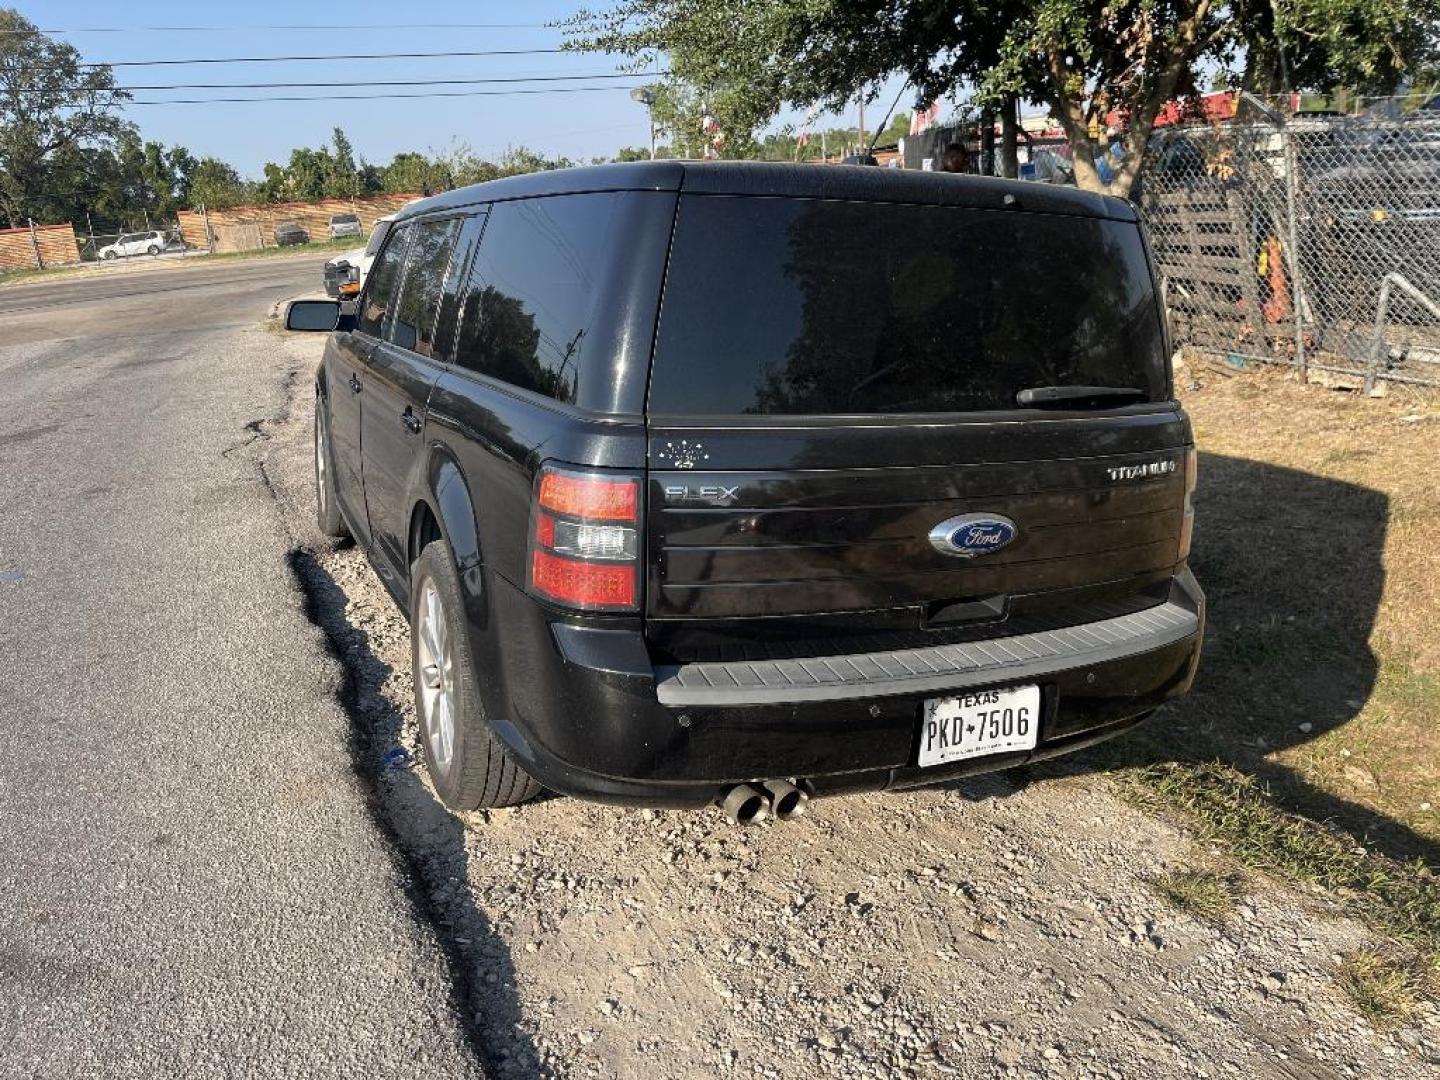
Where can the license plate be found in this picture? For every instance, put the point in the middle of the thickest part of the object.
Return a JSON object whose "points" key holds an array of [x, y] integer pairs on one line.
{"points": [[979, 723]]}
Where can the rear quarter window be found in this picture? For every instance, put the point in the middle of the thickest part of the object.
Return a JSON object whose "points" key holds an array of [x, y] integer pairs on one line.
{"points": [[799, 306], [533, 299]]}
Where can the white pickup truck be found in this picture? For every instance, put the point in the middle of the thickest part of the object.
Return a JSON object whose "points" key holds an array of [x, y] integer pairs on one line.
{"points": [[345, 273]]}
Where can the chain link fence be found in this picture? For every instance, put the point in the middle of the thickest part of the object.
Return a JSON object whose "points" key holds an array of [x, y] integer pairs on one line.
{"points": [[1311, 240], [158, 237]]}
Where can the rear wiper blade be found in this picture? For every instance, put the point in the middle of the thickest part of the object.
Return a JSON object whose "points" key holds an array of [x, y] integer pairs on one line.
{"points": [[1103, 396]]}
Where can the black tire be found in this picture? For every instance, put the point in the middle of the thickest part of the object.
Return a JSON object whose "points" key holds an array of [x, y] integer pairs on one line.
{"points": [[109, 255], [152, 250], [480, 771], [327, 509]]}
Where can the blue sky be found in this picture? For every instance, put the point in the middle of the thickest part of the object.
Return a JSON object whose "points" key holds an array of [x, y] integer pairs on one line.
{"points": [[577, 125]]}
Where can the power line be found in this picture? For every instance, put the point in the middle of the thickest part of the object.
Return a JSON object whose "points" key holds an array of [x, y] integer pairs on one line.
{"points": [[328, 27], [348, 82], [379, 97], [333, 56]]}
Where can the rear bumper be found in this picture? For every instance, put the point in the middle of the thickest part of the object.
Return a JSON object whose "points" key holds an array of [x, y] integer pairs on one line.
{"points": [[585, 712]]}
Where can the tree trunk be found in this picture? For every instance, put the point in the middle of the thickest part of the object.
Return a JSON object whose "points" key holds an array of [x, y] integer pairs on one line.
{"points": [[1087, 176], [1009, 148], [987, 143], [1082, 150], [1069, 110]]}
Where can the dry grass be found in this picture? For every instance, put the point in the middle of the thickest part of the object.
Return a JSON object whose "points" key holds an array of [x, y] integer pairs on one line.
{"points": [[1309, 748], [1239, 816], [1384, 985], [1204, 894], [1318, 539]]}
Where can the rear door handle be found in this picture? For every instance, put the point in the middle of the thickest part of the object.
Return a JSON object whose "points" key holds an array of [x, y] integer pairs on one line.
{"points": [[412, 422], [354, 383]]}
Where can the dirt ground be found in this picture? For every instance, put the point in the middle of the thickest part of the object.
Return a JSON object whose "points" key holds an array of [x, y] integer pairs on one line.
{"points": [[1006, 926], [1318, 542]]}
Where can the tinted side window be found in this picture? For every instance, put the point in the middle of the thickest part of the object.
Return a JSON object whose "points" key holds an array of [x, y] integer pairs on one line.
{"points": [[454, 286], [533, 289], [377, 236], [383, 280], [413, 326]]}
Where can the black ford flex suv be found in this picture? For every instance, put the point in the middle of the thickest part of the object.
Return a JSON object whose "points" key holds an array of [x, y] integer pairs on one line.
{"points": [[741, 483]]}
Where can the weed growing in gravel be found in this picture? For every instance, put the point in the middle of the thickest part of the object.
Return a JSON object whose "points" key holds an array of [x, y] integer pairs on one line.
{"points": [[1384, 986], [1400, 900], [1205, 894]]}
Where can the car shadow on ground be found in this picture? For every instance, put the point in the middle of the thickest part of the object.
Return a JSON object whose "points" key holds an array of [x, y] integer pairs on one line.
{"points": [[1292, 567], [429, 839]]}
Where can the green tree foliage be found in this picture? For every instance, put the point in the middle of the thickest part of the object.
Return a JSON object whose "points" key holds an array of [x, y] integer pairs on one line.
{"points": [[54, 114], [410, 171], [147, 176], [1088, 60], [327, 172], [631, 153], [1369, 46], [216, 185], [458, 166], [682, 107], [343, 180], [897, 129]]}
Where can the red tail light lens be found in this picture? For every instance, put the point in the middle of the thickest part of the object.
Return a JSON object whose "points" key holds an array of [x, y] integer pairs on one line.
{"points": [[585, 496], [591, 586], [584, 540]]}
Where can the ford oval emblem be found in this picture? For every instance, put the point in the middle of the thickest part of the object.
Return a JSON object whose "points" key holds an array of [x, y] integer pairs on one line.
{"points": [[973, 534]]}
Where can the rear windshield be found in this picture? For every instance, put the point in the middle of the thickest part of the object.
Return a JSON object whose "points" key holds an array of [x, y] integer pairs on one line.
{"points": [[344, 219], [797, 306]]}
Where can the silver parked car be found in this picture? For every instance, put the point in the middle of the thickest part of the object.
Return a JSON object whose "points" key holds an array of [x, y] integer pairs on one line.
{"points": [[344, 225]]}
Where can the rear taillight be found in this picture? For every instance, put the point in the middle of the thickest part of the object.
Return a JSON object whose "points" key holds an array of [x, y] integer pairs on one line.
{"points": [[1187, 523], [585, 539]]}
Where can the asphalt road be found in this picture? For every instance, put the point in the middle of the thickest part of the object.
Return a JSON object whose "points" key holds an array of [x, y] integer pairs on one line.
{"points": [[150, 299], [192, 880]]}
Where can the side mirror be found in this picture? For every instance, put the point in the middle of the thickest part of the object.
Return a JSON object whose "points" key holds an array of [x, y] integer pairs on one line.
{"points": [[316, 316]]}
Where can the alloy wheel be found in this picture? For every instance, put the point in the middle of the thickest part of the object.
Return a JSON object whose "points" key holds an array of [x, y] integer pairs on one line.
{"points": [[435, 671], [322, 455]]}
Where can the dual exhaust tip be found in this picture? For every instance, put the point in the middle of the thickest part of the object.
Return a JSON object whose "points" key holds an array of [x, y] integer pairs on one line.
{"points": [[745, 804]]}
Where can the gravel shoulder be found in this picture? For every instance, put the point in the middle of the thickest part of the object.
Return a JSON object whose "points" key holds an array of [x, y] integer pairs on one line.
{"points": [[1005, 926]]}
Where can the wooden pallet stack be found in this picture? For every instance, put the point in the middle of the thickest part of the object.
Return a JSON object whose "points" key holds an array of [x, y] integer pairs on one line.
{"points": [[1213, 262]]}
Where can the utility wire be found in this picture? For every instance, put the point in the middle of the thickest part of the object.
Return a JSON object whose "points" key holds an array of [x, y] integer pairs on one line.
{"points": [[348, 82], [328, 27], [378, 97], [333, 56]]}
